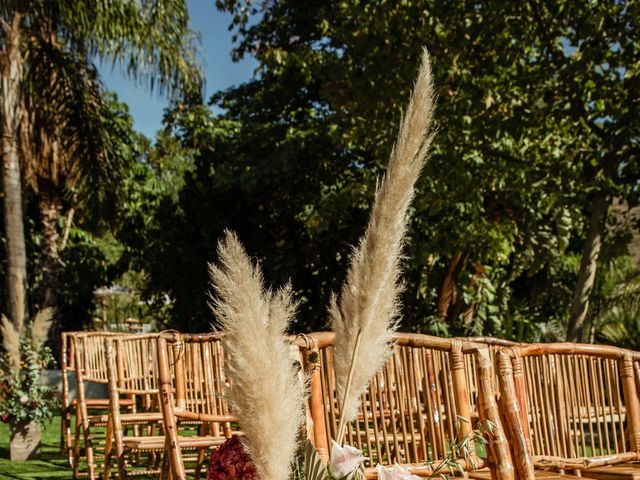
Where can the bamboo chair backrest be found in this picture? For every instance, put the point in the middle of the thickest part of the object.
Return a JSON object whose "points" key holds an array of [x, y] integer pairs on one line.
{"points": [[89, 355], [494, 345], [132, 366], [576, 405], [198, 384], [67, 363], [411, 411], [68, 342]]}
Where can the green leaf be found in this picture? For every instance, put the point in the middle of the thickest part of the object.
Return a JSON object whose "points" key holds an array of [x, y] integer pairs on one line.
{"points": [[314, 468]]}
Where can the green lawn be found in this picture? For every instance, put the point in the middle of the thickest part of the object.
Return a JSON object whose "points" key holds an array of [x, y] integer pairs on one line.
{"points": [[51, 465]]}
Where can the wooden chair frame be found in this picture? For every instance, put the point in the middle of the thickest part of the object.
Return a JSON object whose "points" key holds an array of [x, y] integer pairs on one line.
{"points": [[599, 376], [452, 353], [68, 407], [191, 391], [90, 367], [132, 372]]}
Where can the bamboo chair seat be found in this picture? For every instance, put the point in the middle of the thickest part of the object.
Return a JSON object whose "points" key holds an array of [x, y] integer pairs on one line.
{"points": [[420, 470], [103, 403], [158, 442], [138, 418], [628, 471]]}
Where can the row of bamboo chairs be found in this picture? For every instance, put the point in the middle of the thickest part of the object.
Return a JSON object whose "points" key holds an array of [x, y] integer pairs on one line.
{"points": [[157, 384], [545, 410]]}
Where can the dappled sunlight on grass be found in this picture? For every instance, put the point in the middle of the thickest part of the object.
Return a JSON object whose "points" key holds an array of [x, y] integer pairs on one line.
{"points": [[51, 464]]}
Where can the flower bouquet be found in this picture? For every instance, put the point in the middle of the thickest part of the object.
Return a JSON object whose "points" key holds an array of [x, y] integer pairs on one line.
{"points": [[267, 390], [25, 402]]}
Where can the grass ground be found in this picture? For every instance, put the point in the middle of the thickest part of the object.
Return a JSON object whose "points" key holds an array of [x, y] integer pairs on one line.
{"points": [[51, 465]]}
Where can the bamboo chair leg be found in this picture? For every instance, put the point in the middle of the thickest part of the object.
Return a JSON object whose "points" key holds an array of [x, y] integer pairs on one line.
{"points": [[69, 438], [88, 447], [122, 472], [108, 449], [63, 428], [76, 450], [152, 460], [199, 462], [163, 470], [203, 430], [168, 464]]}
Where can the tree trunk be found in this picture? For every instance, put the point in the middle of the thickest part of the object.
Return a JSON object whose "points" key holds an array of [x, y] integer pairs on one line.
{"points": [[10, 78], [588, 267], [50, 207], [448, 290]]}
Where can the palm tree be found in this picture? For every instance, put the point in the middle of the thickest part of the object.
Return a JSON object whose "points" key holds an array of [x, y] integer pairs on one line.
{"points": [[53, 118]]}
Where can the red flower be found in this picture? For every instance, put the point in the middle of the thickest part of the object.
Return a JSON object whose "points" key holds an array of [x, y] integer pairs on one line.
{"points": [[232, 462]]}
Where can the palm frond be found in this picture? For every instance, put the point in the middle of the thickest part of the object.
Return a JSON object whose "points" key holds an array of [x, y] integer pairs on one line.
{"points": [[70, 134], [150, 40]]}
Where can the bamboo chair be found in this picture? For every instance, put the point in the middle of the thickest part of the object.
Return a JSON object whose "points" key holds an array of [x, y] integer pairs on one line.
{"points": [[90, 367], [410, 413], [132, 368], [192, 388], [69, 407], [571, 407], [494, 345]]}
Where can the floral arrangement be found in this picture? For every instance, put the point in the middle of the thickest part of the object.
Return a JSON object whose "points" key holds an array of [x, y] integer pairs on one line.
{"points": [[267, 390], [23, 396], [231, 461]]}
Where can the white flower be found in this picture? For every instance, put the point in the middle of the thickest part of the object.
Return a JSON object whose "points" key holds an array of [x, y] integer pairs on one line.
{"points": [[24, 399], [344, 461], [395, 473]]}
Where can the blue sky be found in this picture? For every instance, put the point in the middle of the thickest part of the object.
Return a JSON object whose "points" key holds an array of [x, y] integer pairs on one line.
{"points": [[220, 71]]}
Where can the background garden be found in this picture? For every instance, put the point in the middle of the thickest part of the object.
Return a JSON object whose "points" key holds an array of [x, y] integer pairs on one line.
{"points": [[525, 221]]}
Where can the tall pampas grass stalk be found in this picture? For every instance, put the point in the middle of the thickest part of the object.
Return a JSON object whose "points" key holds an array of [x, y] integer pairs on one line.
{"points": [[11, 342], [40, 327], [364, 316], [266, 394]]}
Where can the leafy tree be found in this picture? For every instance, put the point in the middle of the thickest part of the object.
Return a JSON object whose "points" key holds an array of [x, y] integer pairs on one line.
{"points": [[51, 98], [503, 211], [156, 255], [536, 135], [614, 315]]}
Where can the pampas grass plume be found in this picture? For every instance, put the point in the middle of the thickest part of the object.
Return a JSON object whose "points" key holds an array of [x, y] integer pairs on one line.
{"points": [[368, 301], [11, 342], [266, 394], [40, 327]]}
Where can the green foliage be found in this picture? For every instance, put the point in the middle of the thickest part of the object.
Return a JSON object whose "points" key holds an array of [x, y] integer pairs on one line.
{"points": [[75, 140], [23, 396], [533, 101], [462, 449], [86, 269], [535, 118], [309, 465], [616, 314]]}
